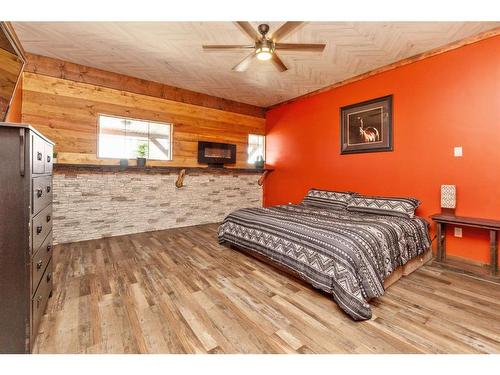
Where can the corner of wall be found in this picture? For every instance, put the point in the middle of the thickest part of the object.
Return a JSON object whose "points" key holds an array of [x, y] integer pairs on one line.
{"points": [[15, 110]]}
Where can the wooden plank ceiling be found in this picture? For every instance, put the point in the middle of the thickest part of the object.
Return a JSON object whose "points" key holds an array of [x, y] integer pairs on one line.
{"points": [[171, 53]]}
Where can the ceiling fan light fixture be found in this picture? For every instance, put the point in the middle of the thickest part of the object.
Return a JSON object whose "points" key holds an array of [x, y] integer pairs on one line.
{"points": [[264, 53], [264, 50]]}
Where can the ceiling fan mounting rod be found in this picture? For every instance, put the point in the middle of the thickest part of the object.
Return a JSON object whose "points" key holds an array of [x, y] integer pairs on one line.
{"points": [[263, 29], [265, 43]]}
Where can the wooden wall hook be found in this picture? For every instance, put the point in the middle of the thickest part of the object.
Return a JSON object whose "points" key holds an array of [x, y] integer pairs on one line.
{"points": [[263, 177], [180, 179]]}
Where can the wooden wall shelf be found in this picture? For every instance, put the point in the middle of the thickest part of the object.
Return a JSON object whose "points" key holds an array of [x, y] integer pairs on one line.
{"points": [[63, 167]]}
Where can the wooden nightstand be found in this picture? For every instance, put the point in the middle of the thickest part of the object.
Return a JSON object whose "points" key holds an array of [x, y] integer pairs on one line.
{"points": [[492, 225]]}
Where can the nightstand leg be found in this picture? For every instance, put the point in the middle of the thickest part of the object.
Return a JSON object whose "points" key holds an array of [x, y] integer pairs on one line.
{"points": [[493, 252], [441, 243]]}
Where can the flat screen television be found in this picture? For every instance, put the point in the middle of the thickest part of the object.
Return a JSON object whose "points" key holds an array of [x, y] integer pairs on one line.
{"points": [[11, 66]]}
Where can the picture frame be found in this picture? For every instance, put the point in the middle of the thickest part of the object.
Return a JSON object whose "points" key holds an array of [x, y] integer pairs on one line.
{"points": [[367, 126]]}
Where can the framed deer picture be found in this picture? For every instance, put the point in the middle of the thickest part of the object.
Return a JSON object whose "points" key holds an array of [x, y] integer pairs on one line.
{"points": [[366, 126]]}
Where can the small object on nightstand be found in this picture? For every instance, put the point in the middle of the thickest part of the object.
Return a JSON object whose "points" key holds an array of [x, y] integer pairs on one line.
{"points": [[448, 199]]}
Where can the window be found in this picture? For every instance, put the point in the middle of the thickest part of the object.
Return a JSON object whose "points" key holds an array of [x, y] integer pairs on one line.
{"points": [[121, 137], [256, 147]]}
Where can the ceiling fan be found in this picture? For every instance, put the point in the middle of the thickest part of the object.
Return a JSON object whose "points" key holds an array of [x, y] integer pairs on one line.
{"points": [[265, 47]]}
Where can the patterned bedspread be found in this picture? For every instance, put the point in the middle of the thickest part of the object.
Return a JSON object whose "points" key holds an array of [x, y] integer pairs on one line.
{"points": [[343, 253]]}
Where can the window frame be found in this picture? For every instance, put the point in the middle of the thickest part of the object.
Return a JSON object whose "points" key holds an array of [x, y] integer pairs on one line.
{"points": [[264, 145], [171, 125]]}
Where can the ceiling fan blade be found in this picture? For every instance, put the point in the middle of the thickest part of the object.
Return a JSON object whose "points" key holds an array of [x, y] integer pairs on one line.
{"points": [[247, 28], [300, 47], [245, 63], [278, 63], [285, 29], [227, 46]]}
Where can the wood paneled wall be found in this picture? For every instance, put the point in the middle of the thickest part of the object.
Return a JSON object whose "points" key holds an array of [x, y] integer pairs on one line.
{"points": [[79, 73], [15, 110], [10, 67], [66, 111]]}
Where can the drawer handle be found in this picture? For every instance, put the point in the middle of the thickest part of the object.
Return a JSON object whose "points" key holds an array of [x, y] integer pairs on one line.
{"points": [[49, 277], [39, 264], [39, 192], [48, 189], [39, 229], [48, 218], [48, 158], [38, 156], [49, 247]]}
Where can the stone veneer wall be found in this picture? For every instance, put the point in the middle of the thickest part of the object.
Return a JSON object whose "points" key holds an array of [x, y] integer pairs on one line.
{"points": [[95, 204]]}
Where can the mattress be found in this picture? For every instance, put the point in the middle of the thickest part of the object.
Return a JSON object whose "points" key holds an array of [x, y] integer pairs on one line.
{"points": [[348, 255]]}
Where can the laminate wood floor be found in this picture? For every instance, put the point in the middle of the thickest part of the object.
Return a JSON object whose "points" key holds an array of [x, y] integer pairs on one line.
{"points": [[179, 291]]}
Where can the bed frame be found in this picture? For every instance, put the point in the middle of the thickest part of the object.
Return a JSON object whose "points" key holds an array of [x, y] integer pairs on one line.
{"points": [[398, 273], [412, 265]]}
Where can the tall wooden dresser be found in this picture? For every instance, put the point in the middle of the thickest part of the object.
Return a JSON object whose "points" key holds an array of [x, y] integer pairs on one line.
{"points": [[25, 234]]}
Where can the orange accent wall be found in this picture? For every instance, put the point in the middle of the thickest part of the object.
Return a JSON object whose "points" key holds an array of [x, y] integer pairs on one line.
{"points": [[14, 114], [452, 99]]}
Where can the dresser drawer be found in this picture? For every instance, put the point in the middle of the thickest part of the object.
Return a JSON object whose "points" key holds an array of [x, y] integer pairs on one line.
{"points": [[49, 152], [39, 301], [38, 147], [40, 261], [41, 227], [42, 193]]}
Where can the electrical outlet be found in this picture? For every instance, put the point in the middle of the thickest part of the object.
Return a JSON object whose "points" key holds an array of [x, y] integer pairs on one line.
{"points": [[458, 232], [457, 151]]}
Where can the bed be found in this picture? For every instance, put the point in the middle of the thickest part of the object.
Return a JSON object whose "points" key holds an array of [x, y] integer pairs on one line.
{"points": [[351, 255]]}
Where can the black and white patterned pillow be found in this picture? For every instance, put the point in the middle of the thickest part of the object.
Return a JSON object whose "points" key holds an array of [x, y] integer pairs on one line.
{"points": [[327, 199], [391, 206]]}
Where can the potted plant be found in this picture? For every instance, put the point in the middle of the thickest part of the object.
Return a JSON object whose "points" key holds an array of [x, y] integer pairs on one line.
{"points": [[123, 164], [142, 150], [54, 157], [259, 162]]}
